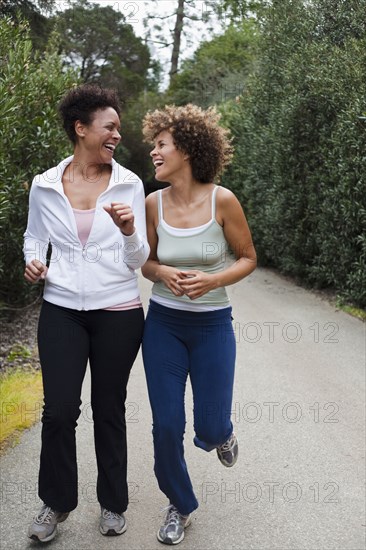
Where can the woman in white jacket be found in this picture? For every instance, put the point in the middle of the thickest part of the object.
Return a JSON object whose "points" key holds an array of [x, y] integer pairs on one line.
{"points": [[91, 211]]}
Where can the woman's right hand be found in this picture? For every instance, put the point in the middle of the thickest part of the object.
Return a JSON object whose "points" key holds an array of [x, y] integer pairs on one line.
{"points": [[172, 278], [34, 271]]}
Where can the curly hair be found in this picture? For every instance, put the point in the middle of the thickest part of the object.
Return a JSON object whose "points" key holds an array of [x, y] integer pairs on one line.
{"points": [[81, 102], [195, 132]]}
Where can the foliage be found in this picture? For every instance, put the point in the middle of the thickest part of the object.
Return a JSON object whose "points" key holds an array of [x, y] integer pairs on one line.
{"points": [[137, 158], [9, 7], [300, 147], [339, 20], [219, 68], [40, 25], [97, 40], [31, 141], [237, 10], [173, 30]]}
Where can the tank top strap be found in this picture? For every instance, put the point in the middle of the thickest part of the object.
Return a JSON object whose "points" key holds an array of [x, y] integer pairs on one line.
{"points": [[160, 205], [213, 207]]}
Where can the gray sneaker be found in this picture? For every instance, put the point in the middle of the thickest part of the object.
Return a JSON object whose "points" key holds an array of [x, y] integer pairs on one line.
{"points": [[228, 451], [44, 525], [112, 524], [172, 530]]}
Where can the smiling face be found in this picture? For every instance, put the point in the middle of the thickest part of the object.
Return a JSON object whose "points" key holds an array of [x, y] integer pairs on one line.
{"points": [[100, 138], [167, 159]]}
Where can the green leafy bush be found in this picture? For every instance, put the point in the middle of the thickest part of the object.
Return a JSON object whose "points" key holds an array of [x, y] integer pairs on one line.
{"points": [[218, 69], [300, 147], [31, 140]]}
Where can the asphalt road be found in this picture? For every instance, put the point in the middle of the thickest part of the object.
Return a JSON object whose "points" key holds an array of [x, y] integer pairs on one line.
{"points": [[298, 411]]}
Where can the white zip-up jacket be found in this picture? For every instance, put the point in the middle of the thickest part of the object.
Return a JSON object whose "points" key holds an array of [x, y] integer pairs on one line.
{"points": [[101, 273]]}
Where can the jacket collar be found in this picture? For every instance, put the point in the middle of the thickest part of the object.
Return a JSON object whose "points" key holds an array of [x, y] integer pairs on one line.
{"points": [[52, 178]]}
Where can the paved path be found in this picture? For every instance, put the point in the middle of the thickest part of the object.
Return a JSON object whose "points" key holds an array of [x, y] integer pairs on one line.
{"points": [[299, 414]]}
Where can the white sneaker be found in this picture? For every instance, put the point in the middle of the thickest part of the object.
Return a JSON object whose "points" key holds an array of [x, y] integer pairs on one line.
{"points": [[44, 525], [112, 524], [172, 530]]}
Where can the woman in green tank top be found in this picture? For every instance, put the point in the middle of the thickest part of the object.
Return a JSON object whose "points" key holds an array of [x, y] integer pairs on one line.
{"points": [[191, 225]]}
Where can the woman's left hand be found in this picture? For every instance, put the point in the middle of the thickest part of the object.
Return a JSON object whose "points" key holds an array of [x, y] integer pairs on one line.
{"points": [[123, 217], [195, 283]]}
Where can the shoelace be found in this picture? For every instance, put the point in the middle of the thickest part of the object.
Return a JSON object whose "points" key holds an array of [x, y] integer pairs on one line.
{"points": [[44, 516], [107, 514], [173, 516], [228, 446]]}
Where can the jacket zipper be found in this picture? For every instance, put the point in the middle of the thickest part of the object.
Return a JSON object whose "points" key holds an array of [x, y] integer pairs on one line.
{"points": [[84, 252], [83, 278]]}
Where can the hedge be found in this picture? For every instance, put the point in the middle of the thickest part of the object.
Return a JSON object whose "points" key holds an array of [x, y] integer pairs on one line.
{"points": [[31, 141], [300, 137]]}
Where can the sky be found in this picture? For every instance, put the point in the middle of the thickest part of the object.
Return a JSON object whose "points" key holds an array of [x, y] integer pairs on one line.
{"points": [[136, 10]]}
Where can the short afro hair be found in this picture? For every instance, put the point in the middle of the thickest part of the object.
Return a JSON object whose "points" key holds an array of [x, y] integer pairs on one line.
{"points": [[195, 132], [81, 102]]}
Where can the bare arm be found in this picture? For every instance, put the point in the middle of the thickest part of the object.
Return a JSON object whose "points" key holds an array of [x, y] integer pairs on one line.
{"points": [[153, 270], [230, 214]]}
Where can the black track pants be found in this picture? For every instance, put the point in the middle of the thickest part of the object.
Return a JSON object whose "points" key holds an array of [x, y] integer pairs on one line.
{"points": [[67, 339]]}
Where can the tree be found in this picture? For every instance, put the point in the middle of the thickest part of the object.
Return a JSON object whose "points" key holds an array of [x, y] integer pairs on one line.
{"points": [[238, 10], [136, 156], [33, 12], [177, 34], [169, 30], [218, 69], [98, 41], [31, 138], [338, 20], [300, 137]]}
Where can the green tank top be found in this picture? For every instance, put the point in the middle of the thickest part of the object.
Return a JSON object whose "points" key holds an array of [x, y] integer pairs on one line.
{"points": [[205, 250]]}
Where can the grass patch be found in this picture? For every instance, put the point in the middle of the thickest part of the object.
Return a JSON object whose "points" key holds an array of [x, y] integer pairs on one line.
{"points": [[21, 401], [354, 311], [351, 310], [18, 351]]}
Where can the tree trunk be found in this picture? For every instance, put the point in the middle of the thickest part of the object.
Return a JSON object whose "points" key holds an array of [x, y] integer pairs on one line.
{"points": [[177, 38]]}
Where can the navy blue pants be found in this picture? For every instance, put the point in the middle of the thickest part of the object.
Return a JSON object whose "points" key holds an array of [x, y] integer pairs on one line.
{"points": [[67, 339], [177, 344]]}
